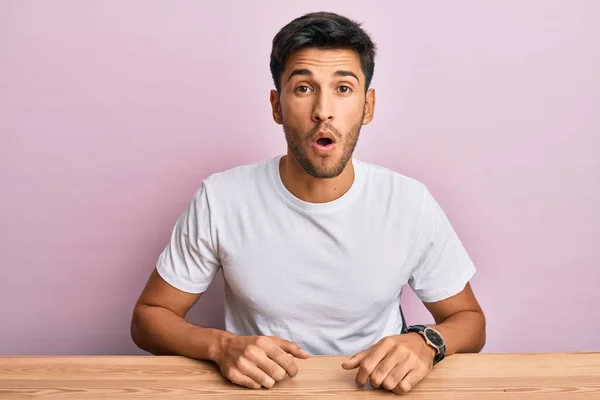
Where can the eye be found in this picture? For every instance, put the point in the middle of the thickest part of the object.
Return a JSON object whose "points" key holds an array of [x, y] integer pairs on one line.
{"points": [[303, 89], [345, 89]]}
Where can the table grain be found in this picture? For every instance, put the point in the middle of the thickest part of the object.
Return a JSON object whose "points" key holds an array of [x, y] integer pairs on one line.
{"points": [[546, 376]]}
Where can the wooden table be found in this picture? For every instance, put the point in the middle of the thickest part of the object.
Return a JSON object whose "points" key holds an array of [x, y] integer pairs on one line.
{"points": [[470, 376]]}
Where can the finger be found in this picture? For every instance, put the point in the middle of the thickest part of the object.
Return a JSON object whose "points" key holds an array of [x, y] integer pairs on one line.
{"points": [[269, 366], [259, 376], [395, 376], [282, 358], [355, 360], [291, 348], [240, 379], [368, 365], [413, 377], [381, 372]]}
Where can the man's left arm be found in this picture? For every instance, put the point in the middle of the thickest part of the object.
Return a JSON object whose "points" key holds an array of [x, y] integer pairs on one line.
{"points": [[440, 278], [460, 321]]}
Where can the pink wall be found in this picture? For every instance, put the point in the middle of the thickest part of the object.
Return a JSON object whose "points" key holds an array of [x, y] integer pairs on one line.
{"points": [[111, 113]]}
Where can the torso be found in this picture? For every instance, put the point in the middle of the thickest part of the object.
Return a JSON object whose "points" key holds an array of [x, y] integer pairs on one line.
{"points": [[327, 276]]}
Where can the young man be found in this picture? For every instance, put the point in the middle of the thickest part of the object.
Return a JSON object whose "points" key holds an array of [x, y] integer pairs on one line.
{"points": [[315, 246]]}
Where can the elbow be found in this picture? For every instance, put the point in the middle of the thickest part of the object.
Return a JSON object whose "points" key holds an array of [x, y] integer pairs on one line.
{"points": [[480, 344], [136, 331], [141, 331], [482, 337]]}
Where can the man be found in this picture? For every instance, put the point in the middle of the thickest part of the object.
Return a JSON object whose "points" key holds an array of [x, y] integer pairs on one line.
{"points": [[315, 246]]}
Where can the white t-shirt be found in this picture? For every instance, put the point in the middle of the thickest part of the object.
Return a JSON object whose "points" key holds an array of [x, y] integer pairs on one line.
{"points": [[327, 276]]}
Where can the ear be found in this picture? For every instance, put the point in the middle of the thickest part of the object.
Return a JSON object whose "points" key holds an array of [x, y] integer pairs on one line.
{"points": [[369, 106], [276, 107]]}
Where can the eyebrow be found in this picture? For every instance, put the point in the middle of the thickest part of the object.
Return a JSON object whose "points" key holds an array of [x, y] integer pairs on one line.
{"points": [[346, 73], [307, 72]]}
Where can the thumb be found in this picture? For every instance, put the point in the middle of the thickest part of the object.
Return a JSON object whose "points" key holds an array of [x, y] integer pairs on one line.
{"points": [[291, 348], [354, 361]]}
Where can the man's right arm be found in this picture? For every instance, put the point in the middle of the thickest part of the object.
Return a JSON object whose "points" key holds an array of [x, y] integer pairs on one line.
{"points": [[159, 327]]}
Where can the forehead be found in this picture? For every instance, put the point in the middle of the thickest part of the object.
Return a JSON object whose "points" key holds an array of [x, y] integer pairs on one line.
{"points": [[324, 61]]}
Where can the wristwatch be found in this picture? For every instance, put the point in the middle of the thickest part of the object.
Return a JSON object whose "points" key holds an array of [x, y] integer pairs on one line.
{"points": [[432, 338]]}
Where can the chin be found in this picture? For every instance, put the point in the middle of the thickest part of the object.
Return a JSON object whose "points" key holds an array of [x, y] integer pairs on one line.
{"points": [[325, 168], [324, 174]]}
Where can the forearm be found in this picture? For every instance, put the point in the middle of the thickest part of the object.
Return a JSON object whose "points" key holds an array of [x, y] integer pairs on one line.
{"points": [[162, 332], [463, 332]]}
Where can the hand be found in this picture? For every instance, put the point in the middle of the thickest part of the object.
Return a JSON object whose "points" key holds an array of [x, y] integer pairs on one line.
{"points": [[256, 361], [396, 363]]}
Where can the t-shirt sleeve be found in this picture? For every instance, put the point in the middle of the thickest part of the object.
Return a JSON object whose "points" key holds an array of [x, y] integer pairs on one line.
{"points": [[189, 262], [444, 266]]}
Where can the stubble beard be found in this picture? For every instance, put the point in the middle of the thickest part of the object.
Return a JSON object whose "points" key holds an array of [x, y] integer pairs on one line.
{"points": [[299, 145]]}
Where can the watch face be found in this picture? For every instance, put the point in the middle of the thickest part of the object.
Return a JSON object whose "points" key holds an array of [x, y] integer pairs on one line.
{"points": [[434, 337]]}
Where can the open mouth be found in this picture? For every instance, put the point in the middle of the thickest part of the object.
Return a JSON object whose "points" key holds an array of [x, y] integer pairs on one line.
{"points": [[324, 144], [324, 141]]}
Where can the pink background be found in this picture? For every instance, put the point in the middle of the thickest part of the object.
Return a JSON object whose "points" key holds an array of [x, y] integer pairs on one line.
{"points": [[111, 114]]}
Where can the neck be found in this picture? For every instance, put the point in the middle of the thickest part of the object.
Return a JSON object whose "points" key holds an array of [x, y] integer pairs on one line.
{"points": [[310, 189]]}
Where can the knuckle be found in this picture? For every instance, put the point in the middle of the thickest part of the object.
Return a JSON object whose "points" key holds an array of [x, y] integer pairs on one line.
{"points": [[239, 363], [291, 368], [400, 353], [229, 373], [271, 371], [389, 364], [413, 358], [389, 384], [287, 363], [360, 375], [376, 380], [279, 374], [237, 378], [234, 378], [283, 341], [367, 365], [261, 341], [405, 386], [398, 348], [398, 375], [250, 351]]}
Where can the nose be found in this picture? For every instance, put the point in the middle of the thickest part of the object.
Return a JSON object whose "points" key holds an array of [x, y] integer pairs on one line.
{"points": [[323, 110]]}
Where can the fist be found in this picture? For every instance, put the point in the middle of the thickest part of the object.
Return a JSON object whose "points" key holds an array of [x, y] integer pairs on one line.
{"points": [[396, 363], [258, 361]]}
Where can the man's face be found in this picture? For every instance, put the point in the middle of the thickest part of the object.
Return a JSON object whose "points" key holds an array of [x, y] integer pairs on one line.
{"points": [[322, 106]]}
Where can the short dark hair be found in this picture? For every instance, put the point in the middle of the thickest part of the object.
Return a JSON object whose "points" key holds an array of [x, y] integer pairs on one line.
{"points": [[322, 30]]}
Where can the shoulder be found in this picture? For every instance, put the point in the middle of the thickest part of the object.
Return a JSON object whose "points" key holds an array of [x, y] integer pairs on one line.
{"points": [[245, 175], [390, 184], [233, 183], [408, 197]]}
